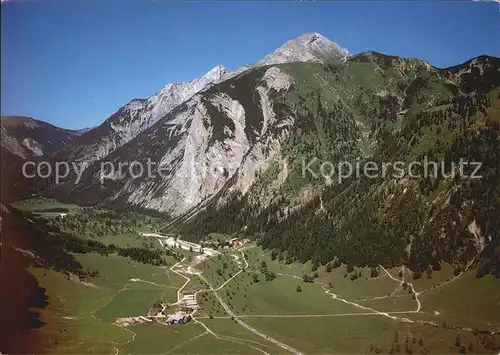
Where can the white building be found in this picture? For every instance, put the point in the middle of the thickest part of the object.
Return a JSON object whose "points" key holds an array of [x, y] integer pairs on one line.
{"points": [[189, 300]]}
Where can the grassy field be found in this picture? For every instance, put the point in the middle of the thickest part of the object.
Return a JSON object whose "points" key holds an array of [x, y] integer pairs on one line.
{"points": [[228, 328], [466, 302], [208, 344], [255, 256], [89, 223], [327, 335], [397, 303], [135, 285], [301, 314], [209, 305], [89, 310], [366, 334], [361, 288], [42, 204], [217, 270], [432, 340], [116, 271], [124, 240], [129, 303], [192, 338], [69, 317], [436, 278], [80, 315], [106, 226], [160, 339], [280, 296], [360, 333]]}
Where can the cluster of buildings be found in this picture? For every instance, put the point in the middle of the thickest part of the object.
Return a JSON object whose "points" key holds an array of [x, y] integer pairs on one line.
{"points": [[189, 300], [178, 318], [221, 243], [188, 305]]}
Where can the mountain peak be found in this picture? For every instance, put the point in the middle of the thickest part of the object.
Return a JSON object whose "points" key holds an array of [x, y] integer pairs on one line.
{"points": [[309, 47], [214, 75], [216, 72], [140, 114], [308, 38]]}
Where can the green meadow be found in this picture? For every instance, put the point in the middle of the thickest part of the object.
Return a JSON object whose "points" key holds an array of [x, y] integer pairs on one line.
{"points": [[304, 315]]}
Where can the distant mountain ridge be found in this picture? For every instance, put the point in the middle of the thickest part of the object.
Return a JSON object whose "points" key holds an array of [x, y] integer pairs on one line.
{"points": [[140, 114], [94, 143], [237, 133], [27, 137], [133, 118]]}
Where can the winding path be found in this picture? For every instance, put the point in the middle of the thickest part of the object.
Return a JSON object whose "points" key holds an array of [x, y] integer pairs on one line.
{"points": [[369, 311], [245, 325], [402, 281], [185, 270], [191, 271]]}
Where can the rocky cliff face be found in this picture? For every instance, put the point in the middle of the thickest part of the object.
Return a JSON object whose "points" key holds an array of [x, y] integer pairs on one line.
{"points": [[140, 114], [135, 117], [310, 47], [218, 135], [226, 139], [206, 130]]}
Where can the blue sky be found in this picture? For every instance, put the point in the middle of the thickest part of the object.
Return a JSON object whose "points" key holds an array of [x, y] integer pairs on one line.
{"points": [[74, 64]]}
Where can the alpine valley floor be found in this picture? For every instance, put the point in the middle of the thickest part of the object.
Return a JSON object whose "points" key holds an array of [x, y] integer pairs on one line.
{"points": [[250, 302]]}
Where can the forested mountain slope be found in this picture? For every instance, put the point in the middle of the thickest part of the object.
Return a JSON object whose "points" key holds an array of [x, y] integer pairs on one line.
{"points": [[382, 109]]}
